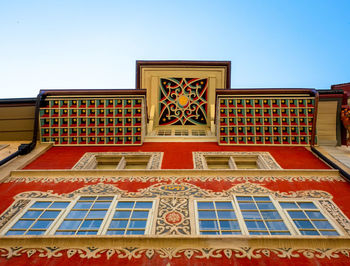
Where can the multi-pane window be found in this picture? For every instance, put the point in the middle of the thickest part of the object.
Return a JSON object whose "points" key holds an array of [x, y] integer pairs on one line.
{"points": [[307, 218], [261, 216], [86, 216], [122, 162], [130, 218], [38, 218], [217, 218]]}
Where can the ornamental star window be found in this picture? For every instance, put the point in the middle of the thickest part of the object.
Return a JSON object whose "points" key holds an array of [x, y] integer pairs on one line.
{"points": [[183, 101]]}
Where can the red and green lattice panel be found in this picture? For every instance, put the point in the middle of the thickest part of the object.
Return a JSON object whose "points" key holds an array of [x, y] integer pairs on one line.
{"points": [[93, 121], [265, 121]]}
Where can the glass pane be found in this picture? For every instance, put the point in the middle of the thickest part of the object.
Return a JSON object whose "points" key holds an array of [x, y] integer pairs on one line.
{"points": [[270, 215], [329, 233], [122, 214], [135, 232], [251, 215], [105, 198], [240, 198], [226, 215], [115, 232], [289, 205], [137, 224], [76, 214], [140, 214], [96, 214], [322, 225], [32, 214], [247, 206], [205, 205], [209, 232], [41, 204], [42, 224], [22, 224], [307, 205], [230, 233], [309, 232], [91, 224], [276, 225], [83, 205], [262, 198], [50, 214], [87, 198], [280, 233], [255, 225], [229, 225], [73, 225], [125, 204], [101, 205], [143, 205], [315, 215], [224, 205], [118, 224], [265, 206], [258, 233], [297, 214], [303, 224], [12, 233], [206, 215], [65, 233], [30, 232], [206, 225], [87, 233], [59, 205]]}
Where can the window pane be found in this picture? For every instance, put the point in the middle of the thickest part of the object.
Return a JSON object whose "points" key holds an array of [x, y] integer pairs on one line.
{"points": [[101, 205], [309, 232], [87, 198], [41, 204], [247, 206], [322, 224], [272, 225], [226, 215], [265, 206], [65, 233], [143, 205], [91, 224], [12, 233], [125, 204], [258, 233], [209, 232], [255, 225], [30, 232], [262, 198], [303, 224], [206, 225], [205, 205], [297, 215], [122, 214], [59, 205], [315, 215], [329, 233], [251, 215], [23, 224], [224, 205], [42, 224], [206, 215], [137, 224], [135, 232], [241, 198], [72, 225], [76, 214], [229, 225], [140, 214], [270, 215], [87, 233], [105, 198], [32, 214], [115, 232], [118, 224], [83, 205], [289, 205], [96, 214], [307, 205], [50, 214]]}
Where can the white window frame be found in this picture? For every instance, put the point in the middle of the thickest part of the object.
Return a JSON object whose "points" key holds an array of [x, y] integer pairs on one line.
{"points": [[264, 160], [287, 220], [51, 230]]}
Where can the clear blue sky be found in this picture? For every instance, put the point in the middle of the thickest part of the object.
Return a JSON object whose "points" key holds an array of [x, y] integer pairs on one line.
{"points": [[94, 44]]}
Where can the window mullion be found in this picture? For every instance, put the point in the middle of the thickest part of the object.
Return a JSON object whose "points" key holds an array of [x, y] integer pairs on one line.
{"points": [[240, 218]]}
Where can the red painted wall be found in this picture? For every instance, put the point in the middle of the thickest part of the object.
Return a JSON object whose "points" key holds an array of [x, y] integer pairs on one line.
{"points": [[177, 155]]}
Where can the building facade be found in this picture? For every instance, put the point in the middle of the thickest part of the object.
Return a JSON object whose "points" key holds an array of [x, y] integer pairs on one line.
{"points": [[181, 170]]}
